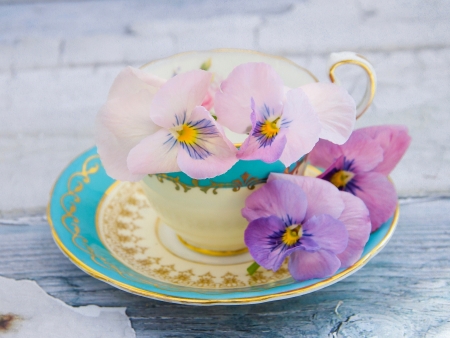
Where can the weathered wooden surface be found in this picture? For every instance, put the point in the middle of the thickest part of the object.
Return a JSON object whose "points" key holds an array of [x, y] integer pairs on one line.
{"points": [[402, 292], [58, 60]]}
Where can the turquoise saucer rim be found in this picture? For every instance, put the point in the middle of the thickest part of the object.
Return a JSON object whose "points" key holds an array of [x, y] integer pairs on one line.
{"points": [[71, 215]]}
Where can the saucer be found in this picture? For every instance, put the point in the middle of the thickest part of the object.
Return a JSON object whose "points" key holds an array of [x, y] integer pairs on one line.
{"points": [[108, 229]]}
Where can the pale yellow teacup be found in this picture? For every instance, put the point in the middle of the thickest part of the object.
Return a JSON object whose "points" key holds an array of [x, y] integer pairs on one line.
{"points": [[206, 214]]}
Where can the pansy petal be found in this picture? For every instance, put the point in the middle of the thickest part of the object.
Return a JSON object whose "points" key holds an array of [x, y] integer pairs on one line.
{"points": [[305, 265], [216, 153], [280, 198], [336, 110], [379, 195], [322, 196], [263, 239], [132, 80], [155, 154], [251, 149], [327, 232], [113, 154], [357, 221], [257, 81], [179, 96], [394, 140], [365, 152], [324, 154], [120, 125], [302, 125]]}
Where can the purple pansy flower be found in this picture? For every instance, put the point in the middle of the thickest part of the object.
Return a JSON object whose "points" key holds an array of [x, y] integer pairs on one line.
{"points": [[361, 165], [300, 217], [283, 124]]}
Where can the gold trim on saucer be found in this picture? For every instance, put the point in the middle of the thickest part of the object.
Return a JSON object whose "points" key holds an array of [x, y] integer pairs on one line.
{"points": [[211, 252], [199, 301], [246, 300]]}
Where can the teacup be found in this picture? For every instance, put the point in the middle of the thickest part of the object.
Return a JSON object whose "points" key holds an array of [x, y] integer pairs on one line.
{"points": [[206, 214]]}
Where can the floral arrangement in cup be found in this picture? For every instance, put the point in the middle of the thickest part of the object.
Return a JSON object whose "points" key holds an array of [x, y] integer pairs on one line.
{"points": [[150, 125]]}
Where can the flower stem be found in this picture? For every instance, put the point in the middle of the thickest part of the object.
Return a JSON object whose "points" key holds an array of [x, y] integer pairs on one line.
{"points": [[252, 268]]}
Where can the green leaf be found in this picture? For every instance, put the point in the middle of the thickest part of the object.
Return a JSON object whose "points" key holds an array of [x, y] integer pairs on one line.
{"points": [[206, 65], [252, 268]]}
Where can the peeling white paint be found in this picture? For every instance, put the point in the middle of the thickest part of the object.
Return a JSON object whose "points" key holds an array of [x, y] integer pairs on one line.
{"points": [[31, 312]]}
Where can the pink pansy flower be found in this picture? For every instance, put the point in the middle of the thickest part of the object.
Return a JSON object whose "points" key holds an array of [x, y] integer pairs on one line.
{"points": [[209, 99], [309, 220], [148, 129], [361, 165], [283, 124]]}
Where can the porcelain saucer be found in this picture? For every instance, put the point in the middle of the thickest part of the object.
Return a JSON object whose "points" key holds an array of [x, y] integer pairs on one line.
{"points": [[108, 229]]}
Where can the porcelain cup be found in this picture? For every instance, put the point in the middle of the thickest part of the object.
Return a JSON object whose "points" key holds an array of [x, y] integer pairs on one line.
{"points": [[206, 214]]}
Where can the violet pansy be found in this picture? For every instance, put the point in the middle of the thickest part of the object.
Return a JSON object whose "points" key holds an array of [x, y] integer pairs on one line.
{"points": [[300, 217], [361, 165], [283, 124], [161, 127]]}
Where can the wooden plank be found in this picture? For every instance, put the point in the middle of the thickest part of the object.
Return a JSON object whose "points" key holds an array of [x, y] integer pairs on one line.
{"points": [[401, 292]]}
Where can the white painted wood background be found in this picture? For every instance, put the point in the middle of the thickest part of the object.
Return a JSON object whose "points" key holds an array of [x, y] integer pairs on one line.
{"points": [[58, 59]]}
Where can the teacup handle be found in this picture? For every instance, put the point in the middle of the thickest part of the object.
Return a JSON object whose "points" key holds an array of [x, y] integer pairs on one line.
{"points": [[343, 58]]}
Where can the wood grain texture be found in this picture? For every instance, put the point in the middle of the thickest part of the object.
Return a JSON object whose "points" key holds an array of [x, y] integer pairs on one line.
{"points": [[403, 292]]}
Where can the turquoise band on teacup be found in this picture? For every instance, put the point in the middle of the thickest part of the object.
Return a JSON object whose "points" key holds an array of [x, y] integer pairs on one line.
{"points": [[242, 174]]}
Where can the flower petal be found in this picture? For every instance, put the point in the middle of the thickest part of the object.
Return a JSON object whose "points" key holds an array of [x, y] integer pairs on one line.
{"points": [[394, 140], [357, 221], [257, 81], [303, 126], [280, 198], [322, 196], [324, 154], [154, 155], [132, 80], [220, 153], [364, 152], [336, 110], [379, 195], [263, 239], [305, 265], [255, 148], [120, 125], [326, 232], [179, 96]]}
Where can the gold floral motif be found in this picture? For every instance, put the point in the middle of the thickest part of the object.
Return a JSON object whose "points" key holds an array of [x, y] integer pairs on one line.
{"points": [[258, 278], [205, 281], [183, 277], [230, 280], [147, 262], [164, 271], [175, 180]]}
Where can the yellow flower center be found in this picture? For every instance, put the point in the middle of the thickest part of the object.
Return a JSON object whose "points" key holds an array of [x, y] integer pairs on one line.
{"points": [[270, 128], [341, 178], [187, 134], [292, 235]]}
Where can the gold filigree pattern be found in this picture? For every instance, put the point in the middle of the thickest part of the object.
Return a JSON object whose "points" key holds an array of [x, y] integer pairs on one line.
{"points": [[121, 225], [245, 180], [69, 201]]}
